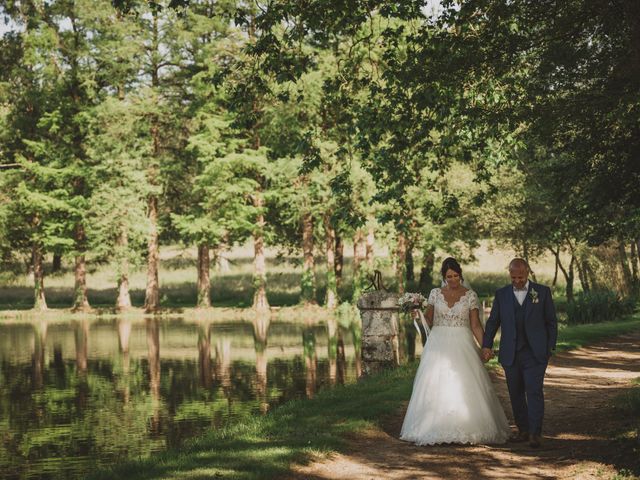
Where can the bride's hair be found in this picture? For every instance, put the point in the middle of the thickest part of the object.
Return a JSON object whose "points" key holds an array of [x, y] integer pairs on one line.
{"points": [[451, 264]]}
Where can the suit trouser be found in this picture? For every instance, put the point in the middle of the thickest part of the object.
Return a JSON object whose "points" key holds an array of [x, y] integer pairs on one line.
{"points": [[524, 380]]}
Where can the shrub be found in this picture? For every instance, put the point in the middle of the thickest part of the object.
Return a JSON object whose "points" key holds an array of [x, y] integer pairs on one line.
{"points": [[598, 306]]}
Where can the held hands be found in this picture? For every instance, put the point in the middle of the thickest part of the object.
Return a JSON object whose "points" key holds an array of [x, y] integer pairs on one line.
{"points": [[486, 354]]}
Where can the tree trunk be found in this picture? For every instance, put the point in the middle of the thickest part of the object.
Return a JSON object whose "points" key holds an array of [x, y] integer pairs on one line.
{"points": [[80, 299], [570, 280], [359, 254], [624, 268], [582, 275], [362, 248], [426, 278], [123, 301], [331, 298], [410, 275], [308, 287], [634, 263], [401, 256], [555, 273], [152, 293], [260, 301], [204, 279], [567, 275], [40, 302], [56, 265], [371, 242], [339, 260], [359, 273], [332, 350], [590, 274]]}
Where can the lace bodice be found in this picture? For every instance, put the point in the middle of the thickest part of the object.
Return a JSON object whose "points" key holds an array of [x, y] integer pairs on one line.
{"points": [[458, 314]]}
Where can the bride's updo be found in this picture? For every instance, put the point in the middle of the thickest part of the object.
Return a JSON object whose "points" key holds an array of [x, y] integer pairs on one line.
{"points": [[451, 264]]}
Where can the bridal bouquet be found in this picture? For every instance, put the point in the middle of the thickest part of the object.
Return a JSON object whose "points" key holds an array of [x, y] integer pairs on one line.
{"points": [[415, 301], [412, 301]]}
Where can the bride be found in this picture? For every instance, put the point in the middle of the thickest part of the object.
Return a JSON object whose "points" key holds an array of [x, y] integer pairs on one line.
{"points": [[453, 400]]}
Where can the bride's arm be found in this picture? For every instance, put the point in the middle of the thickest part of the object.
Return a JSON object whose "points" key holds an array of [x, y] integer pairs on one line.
{"points": [[428, 315], [476, 325]]}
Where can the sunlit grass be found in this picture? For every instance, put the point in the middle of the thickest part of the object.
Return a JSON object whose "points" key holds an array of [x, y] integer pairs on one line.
{"points": [[232, 288], [576, 336]]}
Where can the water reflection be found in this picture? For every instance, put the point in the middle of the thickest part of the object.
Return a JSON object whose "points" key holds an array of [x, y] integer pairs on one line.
{"points": [[204, 354], [310, 359], [153, 360], [122, 382], [95, 392], [261, 325], [37, 359]]}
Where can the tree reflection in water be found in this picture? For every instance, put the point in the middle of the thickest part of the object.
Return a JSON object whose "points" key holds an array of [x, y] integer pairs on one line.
{"points": [[261, 323], [38, 357], [99, 391], [310, 359], [204, 354], [124, 334], [153, 357]]}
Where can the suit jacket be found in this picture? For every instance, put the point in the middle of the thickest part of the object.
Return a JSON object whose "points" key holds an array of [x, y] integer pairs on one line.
{"points": [[541, 323]]}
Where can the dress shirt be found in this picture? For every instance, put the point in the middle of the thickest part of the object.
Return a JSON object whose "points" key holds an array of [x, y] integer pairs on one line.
{"points": [[521, 294]]}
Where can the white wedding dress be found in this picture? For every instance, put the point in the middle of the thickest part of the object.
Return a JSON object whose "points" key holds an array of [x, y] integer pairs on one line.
{"points": [[453, 400]]}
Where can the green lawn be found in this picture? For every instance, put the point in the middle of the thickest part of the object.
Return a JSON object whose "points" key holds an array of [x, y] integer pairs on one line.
{"points": [[265, 447]]}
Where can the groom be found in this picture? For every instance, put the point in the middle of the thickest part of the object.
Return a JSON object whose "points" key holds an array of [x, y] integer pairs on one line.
{"points": [[526, 313]]}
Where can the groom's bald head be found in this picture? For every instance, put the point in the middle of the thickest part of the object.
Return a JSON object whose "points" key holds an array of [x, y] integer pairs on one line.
{"points": [[518, 263], [519, 272]]}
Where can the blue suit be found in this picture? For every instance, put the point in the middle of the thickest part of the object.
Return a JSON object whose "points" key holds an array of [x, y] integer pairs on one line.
{"points": [[527, 341]]}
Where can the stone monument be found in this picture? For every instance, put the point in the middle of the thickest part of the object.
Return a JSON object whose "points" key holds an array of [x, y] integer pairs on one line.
{"points": [[379, 313]]}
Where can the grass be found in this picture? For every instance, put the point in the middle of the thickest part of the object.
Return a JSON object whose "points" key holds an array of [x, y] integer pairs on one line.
{"points": [[232, 288], [265, 447], [576, 336]]}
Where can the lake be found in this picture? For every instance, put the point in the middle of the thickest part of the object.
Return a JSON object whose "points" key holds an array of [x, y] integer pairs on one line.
{"points": [[80, 393]]}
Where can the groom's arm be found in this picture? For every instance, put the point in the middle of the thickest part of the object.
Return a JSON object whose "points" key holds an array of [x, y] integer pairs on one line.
{"points": [[492, 325], [551, 323]]}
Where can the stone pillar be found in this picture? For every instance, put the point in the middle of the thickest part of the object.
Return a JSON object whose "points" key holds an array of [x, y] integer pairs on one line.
{"points": [[380, 347]]}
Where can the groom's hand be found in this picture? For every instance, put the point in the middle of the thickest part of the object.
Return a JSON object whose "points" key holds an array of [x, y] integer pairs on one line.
{"points": [[486, 354]]}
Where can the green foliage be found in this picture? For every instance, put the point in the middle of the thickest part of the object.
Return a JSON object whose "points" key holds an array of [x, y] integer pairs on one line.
{"points": [[598, 306]]}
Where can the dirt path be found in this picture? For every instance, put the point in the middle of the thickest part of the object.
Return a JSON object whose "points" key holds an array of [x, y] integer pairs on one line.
{"points": [[580, 422]]}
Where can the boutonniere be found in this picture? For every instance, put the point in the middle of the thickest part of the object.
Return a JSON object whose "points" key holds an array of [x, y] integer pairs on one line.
{"points": [[534, 296]]}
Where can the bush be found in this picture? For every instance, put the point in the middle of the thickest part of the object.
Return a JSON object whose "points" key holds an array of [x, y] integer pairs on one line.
{"points": [[598, 306]]}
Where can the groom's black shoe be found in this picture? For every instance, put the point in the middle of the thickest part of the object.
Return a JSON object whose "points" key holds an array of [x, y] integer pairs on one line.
{"points": [[519, 437], [534, 441]]}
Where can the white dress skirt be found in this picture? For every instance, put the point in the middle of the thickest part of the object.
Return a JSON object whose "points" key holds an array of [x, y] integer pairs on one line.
{"points": [[453, 399]]}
